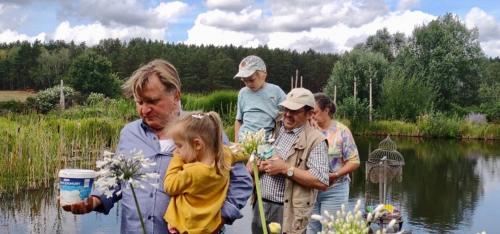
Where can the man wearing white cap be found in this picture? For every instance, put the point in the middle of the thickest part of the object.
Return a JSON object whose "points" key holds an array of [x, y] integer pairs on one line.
{"points": [[292, 177], [258, 101]]}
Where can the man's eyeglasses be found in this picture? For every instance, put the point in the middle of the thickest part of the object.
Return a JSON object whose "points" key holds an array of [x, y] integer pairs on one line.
{"points": [[292, 112]]}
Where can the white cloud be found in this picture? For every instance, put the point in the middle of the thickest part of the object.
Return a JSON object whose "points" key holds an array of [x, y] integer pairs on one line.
{"points": [[228, 5], [488, 27], [296, 16], [300, 15], [246, 20], [404, 5], [125, 13], [202, 34], [12, 36], [489, 30], [334, 37], [11, 16], [91, 34], [491, 48]]}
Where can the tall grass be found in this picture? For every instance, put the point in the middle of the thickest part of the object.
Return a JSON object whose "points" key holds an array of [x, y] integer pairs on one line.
{"points": [[37, 146], [222, 102]]}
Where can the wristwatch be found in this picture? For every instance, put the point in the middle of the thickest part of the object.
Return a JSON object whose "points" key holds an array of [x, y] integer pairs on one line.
{"points": [[289, 172]]}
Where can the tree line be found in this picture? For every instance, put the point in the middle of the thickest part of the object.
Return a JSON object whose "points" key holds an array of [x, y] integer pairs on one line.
{"points": [[101, 68], [440, 68]]}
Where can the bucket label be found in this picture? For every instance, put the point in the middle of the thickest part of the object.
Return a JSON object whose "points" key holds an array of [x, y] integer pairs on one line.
{"points": [[74, 190]]}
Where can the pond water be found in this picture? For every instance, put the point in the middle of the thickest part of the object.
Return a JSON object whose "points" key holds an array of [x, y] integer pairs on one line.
{"points": [[448, 186]]}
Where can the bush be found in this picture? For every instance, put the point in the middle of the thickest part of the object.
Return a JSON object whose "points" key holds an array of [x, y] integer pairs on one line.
{"points": [[354, 109], [405, 98], [13, 106], [438, 125], [48, 99], [95, 98]]}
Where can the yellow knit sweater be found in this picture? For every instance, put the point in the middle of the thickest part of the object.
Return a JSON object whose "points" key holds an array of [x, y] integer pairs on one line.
{"points": [[197, 194]]}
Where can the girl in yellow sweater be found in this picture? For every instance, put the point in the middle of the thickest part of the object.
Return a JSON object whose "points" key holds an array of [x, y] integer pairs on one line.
{"points": [[197, 178]]}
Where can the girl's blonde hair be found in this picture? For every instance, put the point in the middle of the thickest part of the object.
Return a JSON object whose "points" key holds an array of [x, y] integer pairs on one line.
{"points": [[208, 127]]}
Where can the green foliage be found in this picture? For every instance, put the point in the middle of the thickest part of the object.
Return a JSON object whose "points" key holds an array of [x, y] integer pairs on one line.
{"points": [[405, 98], [354, 109], [203, 69], [37, 146], [447, 55], [385, 43], [91, 72], [99, 107], [438, 125], [222, 102], [47, 100], [361, 66], [385, 127], [13, 106], [95, 98]]}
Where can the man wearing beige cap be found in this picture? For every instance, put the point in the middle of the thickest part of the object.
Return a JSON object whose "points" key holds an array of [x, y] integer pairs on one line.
{"points": [[291, 179], [258, 101]]}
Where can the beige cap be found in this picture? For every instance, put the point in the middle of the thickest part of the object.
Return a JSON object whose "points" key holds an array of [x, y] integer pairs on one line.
{"points": [[249, 65], [298, 98]]}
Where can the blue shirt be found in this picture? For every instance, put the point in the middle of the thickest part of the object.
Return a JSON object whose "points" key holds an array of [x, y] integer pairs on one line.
{"points": [[258, 109], [153, 201]]}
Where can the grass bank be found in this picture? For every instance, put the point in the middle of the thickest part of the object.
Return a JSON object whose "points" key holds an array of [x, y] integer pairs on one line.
{"points": [[428, 126]]}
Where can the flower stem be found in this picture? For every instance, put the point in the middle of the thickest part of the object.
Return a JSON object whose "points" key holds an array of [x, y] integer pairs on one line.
{"points": [[259, 197], [138, 209]]}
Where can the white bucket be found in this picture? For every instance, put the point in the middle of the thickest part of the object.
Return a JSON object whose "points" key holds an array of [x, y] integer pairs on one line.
{"points": [[75, 185]]}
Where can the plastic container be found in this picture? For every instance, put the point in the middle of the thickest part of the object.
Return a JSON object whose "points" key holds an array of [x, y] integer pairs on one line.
{"points": [[75, 185]]}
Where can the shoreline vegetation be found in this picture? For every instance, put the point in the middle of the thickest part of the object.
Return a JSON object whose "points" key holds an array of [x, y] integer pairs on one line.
{"points": [[36, 146]]}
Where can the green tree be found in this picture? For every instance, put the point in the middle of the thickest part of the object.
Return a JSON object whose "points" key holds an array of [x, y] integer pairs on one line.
{"points": [[360, 66], [405, 98], [448, 56], [385, 43], [91, 72]]}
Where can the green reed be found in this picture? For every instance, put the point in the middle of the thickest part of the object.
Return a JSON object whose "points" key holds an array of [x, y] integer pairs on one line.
{"points": [[38, 146]]}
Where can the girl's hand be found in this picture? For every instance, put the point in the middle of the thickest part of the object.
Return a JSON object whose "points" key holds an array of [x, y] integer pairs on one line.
{"points": [[172, 230]]}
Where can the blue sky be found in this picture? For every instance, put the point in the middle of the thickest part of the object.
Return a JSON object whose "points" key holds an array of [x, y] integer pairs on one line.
{"points": [[326, 26]]}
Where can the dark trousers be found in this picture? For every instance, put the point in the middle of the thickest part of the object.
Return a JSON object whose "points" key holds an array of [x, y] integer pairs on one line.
{"points": [[272, 211]]}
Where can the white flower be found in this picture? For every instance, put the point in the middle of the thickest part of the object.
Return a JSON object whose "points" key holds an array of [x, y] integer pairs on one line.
{"points": [[114, 169]]}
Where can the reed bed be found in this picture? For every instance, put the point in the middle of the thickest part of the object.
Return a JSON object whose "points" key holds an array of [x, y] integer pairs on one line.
{"points": [[36, 147]]}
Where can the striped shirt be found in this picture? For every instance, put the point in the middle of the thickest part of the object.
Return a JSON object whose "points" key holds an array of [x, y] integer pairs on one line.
{"points": [[273, 187]]}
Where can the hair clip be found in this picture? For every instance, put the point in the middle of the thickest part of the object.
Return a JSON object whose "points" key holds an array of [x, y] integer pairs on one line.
{"points": [[198, 116]]}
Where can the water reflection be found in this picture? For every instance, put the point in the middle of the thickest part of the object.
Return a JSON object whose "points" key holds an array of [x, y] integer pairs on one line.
{"points": [[448, 186], [443, 182], [37, 212]]}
